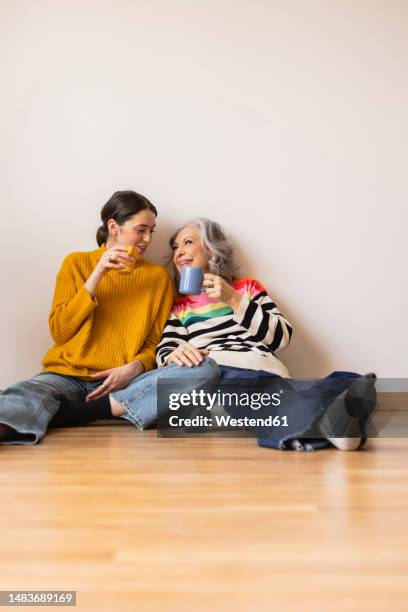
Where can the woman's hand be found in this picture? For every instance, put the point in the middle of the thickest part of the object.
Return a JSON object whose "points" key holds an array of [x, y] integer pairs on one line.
{"points": [[219, 289], [115, 258], [186, 354], [115, 378]]}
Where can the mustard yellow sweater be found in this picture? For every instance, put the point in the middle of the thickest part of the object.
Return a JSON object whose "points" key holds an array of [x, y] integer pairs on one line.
{"points": [[121, 324]]}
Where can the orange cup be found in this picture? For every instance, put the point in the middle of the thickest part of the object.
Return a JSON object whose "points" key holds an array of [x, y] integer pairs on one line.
{"points": [[131, 251]]}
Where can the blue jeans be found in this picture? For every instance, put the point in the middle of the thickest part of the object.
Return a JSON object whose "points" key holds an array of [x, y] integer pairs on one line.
{"points": [[306, 403], [139, 398], [29, 405]]}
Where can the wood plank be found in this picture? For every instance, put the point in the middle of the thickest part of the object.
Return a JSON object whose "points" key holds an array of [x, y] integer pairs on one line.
{"points": [[136, 522]]}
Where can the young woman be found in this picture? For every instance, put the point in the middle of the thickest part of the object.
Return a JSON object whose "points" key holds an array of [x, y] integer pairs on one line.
{"points": [[108, 311], [239, 326]]}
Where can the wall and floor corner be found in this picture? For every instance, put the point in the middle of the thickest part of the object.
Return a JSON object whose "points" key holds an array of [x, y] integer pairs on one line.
{"points": [[286, 122]]}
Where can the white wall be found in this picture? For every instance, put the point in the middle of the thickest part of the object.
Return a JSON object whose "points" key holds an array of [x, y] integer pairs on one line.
{"points": [[284, 120]]}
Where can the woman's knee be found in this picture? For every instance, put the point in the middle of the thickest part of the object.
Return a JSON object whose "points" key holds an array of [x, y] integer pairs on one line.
{"points": [[210, 367]]}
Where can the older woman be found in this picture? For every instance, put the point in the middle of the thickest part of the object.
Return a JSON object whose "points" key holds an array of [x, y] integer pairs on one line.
{"points": [[238, 324], [108, 311]]}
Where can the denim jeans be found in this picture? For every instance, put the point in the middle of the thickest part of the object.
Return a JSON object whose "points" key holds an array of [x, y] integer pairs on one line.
{"points": [[139, 398], [306, 405], [29, 405]]}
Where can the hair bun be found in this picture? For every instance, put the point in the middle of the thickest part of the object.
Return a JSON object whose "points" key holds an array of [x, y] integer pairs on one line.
{"points": [[101, 235]]}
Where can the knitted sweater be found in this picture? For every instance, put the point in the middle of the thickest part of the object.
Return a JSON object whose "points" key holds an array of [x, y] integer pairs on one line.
{"points": [[121, 324], [248, 338]]}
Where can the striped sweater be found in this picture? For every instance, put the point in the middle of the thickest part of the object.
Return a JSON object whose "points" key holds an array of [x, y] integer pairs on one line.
{"points": [[248, 338]]}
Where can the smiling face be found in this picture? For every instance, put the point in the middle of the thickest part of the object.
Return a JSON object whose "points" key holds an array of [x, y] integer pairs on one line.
{"points": [[188, 249], [136, 231]]}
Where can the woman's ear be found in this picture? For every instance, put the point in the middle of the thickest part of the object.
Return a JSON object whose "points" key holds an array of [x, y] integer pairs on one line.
{"points": [[113, 227]]}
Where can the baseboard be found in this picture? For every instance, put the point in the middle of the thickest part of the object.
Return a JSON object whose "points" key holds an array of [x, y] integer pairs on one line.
{"points": [[393, 401]]}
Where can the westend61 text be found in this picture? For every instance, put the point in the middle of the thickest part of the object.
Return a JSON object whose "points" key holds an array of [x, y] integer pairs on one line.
{"points": [[228, 421]]}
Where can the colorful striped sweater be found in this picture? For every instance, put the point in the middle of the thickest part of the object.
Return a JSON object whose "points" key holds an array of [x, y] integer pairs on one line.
{"points": [[248, 338]]}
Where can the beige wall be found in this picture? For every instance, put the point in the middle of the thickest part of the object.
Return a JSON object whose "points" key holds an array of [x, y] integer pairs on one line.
{"points": [[285, 121]]}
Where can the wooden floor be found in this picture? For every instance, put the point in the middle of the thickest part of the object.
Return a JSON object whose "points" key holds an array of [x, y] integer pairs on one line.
{"points": [[135, 522]]}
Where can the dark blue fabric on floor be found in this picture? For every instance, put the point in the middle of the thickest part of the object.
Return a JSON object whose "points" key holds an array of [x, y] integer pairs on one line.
{"points": [[304, 402]]}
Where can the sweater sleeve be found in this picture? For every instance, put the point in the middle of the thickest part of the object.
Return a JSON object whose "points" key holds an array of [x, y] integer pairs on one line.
{"points": [[147, 352], [260, 316], [71, 305], [174, 334]]}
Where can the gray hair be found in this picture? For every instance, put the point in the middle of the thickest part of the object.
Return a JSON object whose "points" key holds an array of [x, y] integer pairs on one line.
{"points": [[215, 243]]}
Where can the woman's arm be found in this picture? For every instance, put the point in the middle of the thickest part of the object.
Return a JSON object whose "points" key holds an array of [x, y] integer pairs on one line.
{"points": [[253, 309], [261, 317], [173, 336], [73, 302], [164, 294], [70, 306]]}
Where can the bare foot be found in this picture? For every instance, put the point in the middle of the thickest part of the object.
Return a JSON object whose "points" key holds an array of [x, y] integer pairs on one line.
{"points": [[6, 432], [116, 408]]}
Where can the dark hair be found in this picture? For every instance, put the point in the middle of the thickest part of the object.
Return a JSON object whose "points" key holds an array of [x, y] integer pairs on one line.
{"points": [[120, 207]]}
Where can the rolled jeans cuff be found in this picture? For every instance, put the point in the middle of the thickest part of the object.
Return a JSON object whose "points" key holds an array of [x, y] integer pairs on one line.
{"points": [[139, 398]]}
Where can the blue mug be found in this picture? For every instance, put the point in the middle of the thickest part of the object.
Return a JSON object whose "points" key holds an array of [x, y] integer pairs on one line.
{"points": [[191, 280]]}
